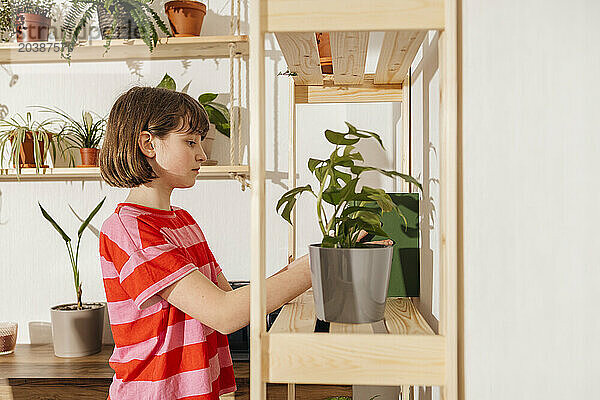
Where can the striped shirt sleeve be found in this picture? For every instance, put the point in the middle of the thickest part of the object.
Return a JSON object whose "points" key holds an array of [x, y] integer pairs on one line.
{"points": [[152, 268]]}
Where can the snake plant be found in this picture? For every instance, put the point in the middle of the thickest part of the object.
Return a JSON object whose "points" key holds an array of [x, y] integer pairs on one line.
{"points": [[73, 258]]}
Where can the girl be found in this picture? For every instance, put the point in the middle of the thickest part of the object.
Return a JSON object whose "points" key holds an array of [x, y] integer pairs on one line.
{"points": [[170, 306]]}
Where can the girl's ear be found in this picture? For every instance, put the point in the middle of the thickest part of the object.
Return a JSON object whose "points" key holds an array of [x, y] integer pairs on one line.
{"points": [[145, 144]]}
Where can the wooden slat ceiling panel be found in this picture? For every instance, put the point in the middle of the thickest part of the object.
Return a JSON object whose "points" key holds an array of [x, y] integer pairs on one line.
{"points": [[397, 52], [302, 56], [349, 54]]}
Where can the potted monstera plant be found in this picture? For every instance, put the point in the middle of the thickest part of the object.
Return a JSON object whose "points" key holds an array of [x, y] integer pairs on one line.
{"points": [[76, 327], [218, 115], [350, 278]]}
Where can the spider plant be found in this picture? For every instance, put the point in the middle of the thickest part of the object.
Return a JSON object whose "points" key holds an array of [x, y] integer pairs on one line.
{"points": [[84, 134], [73, 257], [81, 12], [15, 130]]}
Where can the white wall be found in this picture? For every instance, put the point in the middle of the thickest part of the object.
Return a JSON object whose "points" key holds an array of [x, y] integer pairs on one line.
{"points": [[34, 267], [531, 142]]}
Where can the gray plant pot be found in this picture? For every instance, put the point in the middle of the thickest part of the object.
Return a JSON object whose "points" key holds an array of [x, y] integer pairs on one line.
{"points": [[77, 333], [350, 285]]}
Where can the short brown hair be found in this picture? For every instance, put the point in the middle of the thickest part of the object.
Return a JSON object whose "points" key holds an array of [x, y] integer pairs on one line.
{"points": [[155, 110]]}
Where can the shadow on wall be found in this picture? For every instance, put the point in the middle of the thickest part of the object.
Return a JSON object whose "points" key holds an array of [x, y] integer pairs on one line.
{"points": [[426, 70]]}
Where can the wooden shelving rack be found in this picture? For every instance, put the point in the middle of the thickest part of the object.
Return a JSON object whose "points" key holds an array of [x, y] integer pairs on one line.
{"points": [[410, 353]]}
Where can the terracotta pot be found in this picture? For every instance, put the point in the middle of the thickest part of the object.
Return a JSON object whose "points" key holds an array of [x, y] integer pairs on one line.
{"points": [[77, 333], [26, 154], [89, 157], [33, 28], [185, 17], [324, 52]]}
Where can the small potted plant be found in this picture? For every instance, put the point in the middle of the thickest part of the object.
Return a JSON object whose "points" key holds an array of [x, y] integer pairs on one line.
{"points": [[76, 327], [218, 114], [33, 19], [84, 135], [350, 278], [185, 17], [29, 142], [123, 19]]}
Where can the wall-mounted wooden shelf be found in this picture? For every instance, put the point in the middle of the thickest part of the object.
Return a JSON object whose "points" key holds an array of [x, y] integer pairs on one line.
{"points": [[401, 349], [91, 173], [174, 48]]}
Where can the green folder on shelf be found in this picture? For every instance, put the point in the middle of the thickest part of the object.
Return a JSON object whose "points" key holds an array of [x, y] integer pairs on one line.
{"points": [[404, 277]]}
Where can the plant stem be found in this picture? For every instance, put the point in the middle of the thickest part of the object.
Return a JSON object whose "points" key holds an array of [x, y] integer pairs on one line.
{"points": [[320, 208], [75, 275]]}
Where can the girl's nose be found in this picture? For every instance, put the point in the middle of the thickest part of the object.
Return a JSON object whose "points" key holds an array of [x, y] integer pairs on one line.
{"points": [[201, 156]]}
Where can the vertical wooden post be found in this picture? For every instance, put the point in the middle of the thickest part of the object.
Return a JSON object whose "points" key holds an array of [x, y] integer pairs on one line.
{"points": [[257, 204], [405, 168], [292, 184], [448, 42]]}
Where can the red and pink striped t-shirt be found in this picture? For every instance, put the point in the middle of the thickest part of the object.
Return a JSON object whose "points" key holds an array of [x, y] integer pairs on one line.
{"points": [[160, 352]]}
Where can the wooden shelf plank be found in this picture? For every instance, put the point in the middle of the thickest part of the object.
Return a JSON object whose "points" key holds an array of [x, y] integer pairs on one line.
{"points": [[397, 53], [354, 353], [403, 318], [49, 174], [339, 15], [174, 48], [302, 56], [365, 92], [359, 359], [349, 55]]}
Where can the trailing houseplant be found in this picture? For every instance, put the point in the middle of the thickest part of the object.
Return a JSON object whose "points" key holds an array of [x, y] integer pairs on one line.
{"points": [[84, 135], [33, 19], [28, 142], [347, 288], [218, 114], [122, 19], [76, 327]]}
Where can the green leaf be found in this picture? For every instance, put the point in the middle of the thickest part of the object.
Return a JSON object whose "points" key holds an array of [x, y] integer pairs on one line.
{"points": [[207, 98], [65, 237], [339, 138], [355, 131], [89, 218], [287, 210], [352, 209], [292, 194], [329, 241], [313, 163], [167, 83]]}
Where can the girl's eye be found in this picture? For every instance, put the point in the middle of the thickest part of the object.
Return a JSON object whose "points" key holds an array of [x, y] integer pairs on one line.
{"points": [[191, 142]]}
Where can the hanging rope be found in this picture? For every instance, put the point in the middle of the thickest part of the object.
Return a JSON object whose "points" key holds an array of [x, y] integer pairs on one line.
{"points": [[235, 131], [232, 121]]}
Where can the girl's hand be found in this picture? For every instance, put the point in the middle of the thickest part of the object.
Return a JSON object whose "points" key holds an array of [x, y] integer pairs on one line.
{"points": [[362, 234]]}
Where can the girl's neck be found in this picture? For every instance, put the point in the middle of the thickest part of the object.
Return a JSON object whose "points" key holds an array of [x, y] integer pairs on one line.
{"points": [[149, 195]]}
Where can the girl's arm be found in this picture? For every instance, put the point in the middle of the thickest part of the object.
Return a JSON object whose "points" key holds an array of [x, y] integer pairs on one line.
{"points": [[228, 311]]}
